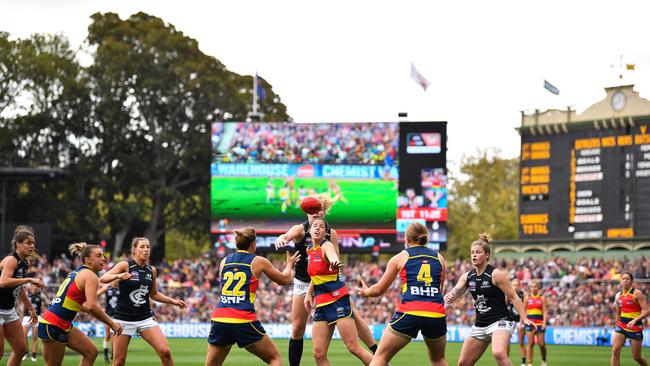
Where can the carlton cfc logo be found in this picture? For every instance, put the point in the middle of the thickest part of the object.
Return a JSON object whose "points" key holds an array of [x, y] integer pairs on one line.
{"points": [[139, 296]]}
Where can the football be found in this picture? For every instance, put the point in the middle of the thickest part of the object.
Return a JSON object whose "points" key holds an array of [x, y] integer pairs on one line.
{"points": [[311, 205]]}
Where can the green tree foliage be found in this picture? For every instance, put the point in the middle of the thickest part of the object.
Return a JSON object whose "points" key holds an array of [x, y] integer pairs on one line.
{"points": [[483, 198], [132, 130]]}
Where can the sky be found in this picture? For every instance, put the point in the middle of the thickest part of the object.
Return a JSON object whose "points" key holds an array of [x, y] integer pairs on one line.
{"points": [[349, 61]]}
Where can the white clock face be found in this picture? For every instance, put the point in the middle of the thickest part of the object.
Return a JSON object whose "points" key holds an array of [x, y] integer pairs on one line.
{"points": [[618, 101]]}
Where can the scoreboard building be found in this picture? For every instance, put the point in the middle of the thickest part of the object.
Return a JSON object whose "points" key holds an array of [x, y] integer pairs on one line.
{"points": [[585, 178]]}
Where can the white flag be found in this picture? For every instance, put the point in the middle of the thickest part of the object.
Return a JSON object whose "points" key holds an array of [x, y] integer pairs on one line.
{"points": [[421, 80]]}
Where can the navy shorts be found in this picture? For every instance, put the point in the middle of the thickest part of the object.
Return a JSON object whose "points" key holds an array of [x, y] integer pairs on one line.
{"points": [[538, 329], [51, 332], [331, 313], [637, 336], [409, 326], [227, 334]]}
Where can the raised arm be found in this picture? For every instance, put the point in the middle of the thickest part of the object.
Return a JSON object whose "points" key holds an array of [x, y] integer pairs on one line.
{"points": [[458, 290], [329, 252], [499, 279], [392, 268], [157, 296], [296, 233], [334, 239], [281, 278], [120, 271]]}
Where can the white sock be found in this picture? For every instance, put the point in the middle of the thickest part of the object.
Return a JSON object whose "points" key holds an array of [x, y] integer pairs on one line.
{"points": [[105, 344]]}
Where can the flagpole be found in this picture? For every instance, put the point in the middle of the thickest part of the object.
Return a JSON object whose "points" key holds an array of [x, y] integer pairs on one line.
{"points": [[255, 94]]}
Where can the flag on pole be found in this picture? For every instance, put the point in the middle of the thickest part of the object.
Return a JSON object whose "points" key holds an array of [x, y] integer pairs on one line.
{"points": [[548, 86], [261, 92], [418, 78]]}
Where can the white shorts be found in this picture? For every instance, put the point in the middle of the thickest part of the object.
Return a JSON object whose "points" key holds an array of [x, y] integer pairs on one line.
{"points": [[26, 321], [8, 316], [132, 328], [299, 287], [485, 333]]}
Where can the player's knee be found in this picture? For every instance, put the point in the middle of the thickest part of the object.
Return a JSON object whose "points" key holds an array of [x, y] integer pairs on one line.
{"points": [[320, 354], [119, 360], [275, 359], [20, 350], [353, 346], [165, 354], [297, 332], [637, 357], [499, 355], [616, 351], [91, 353]]}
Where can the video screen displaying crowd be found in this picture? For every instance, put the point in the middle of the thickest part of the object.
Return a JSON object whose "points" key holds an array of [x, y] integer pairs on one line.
{"points": [[579, 294], [299, 143]]}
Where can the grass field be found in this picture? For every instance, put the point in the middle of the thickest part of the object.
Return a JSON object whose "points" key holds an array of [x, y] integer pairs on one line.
{"points": [[192, 352], [242, 200]]}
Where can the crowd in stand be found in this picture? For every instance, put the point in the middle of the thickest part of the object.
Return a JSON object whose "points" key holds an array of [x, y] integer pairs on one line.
{"points": [[579, 294], [325, 143]]}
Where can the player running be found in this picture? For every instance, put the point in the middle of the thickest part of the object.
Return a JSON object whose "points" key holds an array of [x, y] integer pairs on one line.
{"points": [[536, 313], [78, 292], [489, 288], [234, 319], [631, 308], [421, 308], [301, 237]]}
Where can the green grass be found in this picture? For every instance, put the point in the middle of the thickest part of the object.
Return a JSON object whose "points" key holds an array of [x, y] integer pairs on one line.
{"points": [[243, 199], [192, 352]]}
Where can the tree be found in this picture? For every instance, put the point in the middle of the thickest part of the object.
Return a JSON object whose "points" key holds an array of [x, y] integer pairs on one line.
{"points": [[156, 94], [483, 198], [49, 125]]}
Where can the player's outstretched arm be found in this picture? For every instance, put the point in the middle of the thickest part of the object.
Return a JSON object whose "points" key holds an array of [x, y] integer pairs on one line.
{"points": [[157, 296], [458, 290], [296, 233], [329, 252], [392, 268], [281, 278], [500, 280]]}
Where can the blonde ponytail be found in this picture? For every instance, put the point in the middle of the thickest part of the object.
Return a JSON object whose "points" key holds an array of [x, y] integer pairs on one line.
{"points": [[327, 201]]}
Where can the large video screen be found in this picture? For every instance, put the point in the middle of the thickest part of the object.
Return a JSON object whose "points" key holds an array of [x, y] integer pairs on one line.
{"points": [[261, 171]]}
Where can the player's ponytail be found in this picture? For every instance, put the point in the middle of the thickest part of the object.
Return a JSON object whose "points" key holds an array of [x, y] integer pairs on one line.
{"points": [[327, 201], [484, 242], [81, 249], [416, 233], [244, 238]]}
